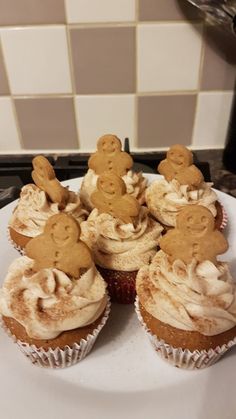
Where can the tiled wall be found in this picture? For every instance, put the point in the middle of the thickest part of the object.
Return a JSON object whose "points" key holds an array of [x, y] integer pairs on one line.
{"points": [[72, 70]]}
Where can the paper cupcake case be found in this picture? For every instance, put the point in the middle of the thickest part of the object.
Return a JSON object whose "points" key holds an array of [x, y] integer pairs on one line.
{"points": [[18, 248], [184, 358], [224, 217], [121, 291], [60, 358]]}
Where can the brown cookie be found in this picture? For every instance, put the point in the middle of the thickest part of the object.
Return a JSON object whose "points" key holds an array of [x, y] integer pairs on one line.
{"points": [[109, 157], [111, 197], [59, 246], [179, 165], [44, 177], [194, 236]]}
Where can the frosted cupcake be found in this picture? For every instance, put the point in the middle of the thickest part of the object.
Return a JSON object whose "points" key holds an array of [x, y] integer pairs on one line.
{"points": [[121, 235], [39, 201], [183, 184], [53, 301], [186, 298], [109, 157]]}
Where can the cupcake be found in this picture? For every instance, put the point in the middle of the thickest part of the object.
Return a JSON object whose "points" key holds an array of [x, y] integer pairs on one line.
{"points": [[182, 184], [39, 201], [53, 301], [121, 234], [109, 157], [186, 297]]}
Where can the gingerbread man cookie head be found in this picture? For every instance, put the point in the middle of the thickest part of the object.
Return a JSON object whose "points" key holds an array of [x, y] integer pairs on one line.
{"points": [[63, 230], [195, 221], [43, 170], [111, 185], [109, 144], [180, 156]]}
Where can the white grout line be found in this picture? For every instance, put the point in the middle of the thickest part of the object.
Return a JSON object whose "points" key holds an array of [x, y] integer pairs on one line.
{"points": [[199, 82], [91, 150]]}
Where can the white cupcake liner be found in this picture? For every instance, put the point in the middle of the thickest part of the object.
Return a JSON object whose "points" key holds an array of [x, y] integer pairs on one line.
{"points": [[184, 358], [60, 358], [20, 249]]}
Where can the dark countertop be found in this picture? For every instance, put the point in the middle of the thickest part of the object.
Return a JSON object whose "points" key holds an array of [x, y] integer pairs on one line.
{"points": [[223, 180], [15, 170]]}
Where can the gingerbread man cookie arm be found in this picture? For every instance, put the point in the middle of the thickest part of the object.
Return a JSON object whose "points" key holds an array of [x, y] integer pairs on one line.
{"points": [[41, 258], [84, 254], [126, 162], [170, 242], [126, 208], [132, 204], [92, 161], [98, 201], [220, 242], [166, 170], [190, 176]]}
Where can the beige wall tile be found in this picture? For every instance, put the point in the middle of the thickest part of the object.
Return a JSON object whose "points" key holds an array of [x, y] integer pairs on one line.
{"points": [[99, 115], [4, 88], [165, 120], [47, 123], [36, 59], [168, 56], [219, 65], [104, 60], [212, 117], [20, 12], [100, 10], [167, 10], [9, 139]]}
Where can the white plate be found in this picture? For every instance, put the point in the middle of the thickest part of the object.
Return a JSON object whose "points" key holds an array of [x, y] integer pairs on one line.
{"points": [[122, 377]]}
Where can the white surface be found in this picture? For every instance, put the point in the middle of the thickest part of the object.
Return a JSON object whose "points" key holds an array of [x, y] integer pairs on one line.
{"points": [[212, 117], [108, 114], [123, 377], [168, 56], [40, 56], [100, 10], [9, 139]]}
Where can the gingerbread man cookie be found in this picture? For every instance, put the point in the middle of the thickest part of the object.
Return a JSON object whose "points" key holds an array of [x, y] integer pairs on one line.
{"points": [[109, 157], [59, 247], [44, 177], [179, 165], [111, 197], [194, 237]]}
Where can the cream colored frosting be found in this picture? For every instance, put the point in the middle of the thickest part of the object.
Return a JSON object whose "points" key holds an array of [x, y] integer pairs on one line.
{"points": [[120, 246], [195, 297], [48, 302], [165, 199], [34, 209], [135, 184]]}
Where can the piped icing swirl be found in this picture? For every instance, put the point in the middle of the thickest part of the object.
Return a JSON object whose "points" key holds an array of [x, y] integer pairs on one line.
{"points": [[195, 297], [48, 302], [166, 199], [135, 184], [34, 209], [120, 246]]}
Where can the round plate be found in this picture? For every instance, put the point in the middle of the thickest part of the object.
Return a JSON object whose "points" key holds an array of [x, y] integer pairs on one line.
{"points": [[123, 377]]}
